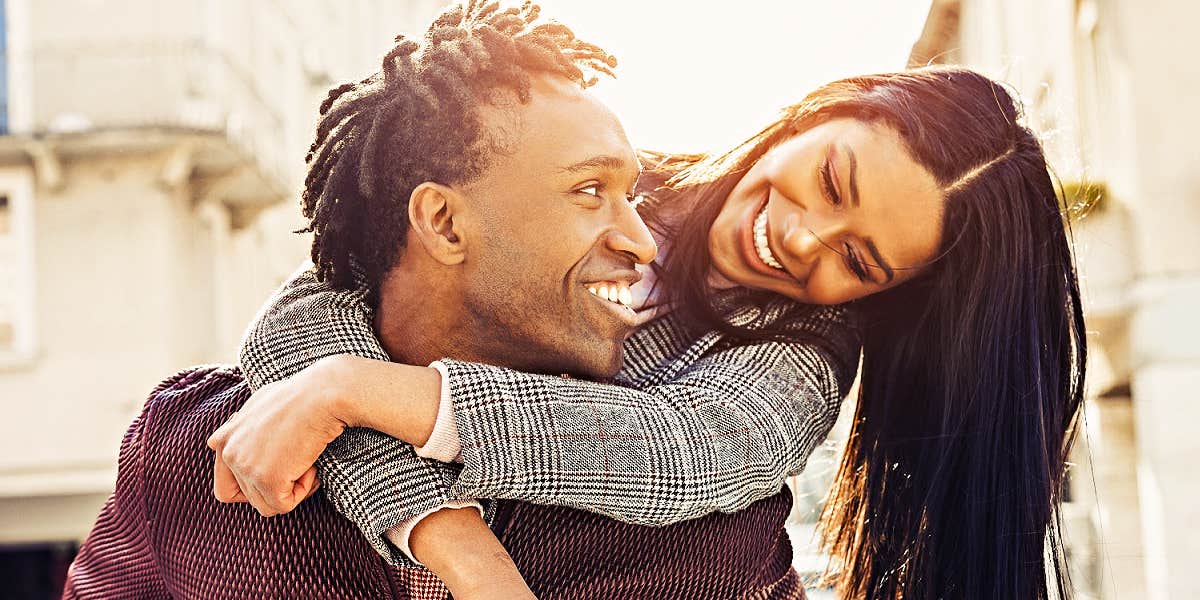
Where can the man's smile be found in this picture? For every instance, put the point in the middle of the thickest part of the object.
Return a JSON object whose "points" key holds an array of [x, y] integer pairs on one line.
{"points": [[614, 295]]}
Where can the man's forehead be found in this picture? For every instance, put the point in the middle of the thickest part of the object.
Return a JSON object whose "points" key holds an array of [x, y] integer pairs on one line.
{"points": [[559, 130]]}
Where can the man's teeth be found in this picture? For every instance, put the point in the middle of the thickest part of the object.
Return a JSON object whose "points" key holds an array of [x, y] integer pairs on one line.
{"points": [[760, 241], [613, 292]]}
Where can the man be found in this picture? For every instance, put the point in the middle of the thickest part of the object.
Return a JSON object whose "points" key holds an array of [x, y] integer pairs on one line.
{"points": [[437, 179]]}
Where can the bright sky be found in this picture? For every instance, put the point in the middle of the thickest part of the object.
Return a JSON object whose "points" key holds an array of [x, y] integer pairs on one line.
{"points": [[701, 75]]}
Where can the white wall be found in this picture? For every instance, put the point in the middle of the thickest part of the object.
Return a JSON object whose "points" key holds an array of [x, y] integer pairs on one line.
{"points": [[136, 279], [1116, 85]]}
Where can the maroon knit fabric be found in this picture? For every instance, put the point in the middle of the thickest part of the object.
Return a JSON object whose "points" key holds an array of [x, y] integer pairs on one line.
{"points": [[162, 534], [568, 554]]}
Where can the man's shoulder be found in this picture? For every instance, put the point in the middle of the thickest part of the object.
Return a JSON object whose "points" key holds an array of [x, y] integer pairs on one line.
{"points": [[199, 398], [200, 376], [196, 541], [172, 435]]}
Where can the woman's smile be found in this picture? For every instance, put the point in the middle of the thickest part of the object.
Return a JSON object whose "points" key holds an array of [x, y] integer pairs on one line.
{"points": [[756, 243], [815, 218]]}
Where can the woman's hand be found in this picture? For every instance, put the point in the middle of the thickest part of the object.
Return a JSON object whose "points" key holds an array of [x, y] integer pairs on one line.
{"points": [[266, 451]]}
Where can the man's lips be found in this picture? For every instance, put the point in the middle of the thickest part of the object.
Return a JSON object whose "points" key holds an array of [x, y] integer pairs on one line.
{"points": [[612, 290], [623, 313], [625, 276]]}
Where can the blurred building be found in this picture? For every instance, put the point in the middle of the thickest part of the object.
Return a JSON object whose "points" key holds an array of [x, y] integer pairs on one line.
{"points": [[150, 155], [149, 164], [1112, 87]]}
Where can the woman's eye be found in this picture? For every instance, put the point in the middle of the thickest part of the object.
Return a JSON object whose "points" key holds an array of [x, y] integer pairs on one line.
{"points": [[856, 265], [827, 183]]}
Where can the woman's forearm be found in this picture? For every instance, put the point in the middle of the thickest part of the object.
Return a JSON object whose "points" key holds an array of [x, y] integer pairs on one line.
{"points": [[396, 399], [726, 432], [457, 546]]}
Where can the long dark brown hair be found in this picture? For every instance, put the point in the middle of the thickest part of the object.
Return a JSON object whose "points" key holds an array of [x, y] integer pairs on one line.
{"points": [[972, 373]]}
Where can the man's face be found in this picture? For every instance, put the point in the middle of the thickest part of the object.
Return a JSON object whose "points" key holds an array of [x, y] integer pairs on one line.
{"points": [[552, 217]]}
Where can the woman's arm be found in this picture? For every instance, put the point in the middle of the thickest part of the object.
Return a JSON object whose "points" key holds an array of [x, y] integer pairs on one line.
{"points": [[726, 431], [304, 321], [464, 553], [723, 430]]}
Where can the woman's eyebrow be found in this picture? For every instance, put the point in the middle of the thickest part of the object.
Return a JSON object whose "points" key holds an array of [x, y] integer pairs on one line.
{"points": [[879, 262], [853, 177]]}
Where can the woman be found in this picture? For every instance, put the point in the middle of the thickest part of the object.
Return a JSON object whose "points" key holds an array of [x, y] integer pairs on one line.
{"points": [[918, 198]]}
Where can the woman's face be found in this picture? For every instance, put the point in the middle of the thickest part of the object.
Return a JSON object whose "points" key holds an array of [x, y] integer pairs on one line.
{"points": [[838, 212]]}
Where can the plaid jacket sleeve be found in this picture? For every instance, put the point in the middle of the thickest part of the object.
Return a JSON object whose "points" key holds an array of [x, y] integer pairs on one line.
{"points": [[374, 480], [723, 432], [711, 431]]}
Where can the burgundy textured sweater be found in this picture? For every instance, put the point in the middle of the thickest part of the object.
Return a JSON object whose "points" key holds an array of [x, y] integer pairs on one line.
{"points": [[565, 553], [162, 534]]}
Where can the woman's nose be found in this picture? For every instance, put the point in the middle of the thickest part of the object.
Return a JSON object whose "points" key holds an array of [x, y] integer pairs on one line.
{"points": [[805, 242]]}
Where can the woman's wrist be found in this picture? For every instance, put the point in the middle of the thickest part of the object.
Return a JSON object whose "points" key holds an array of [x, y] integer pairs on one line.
{"points": [[461, 550], [340, 397], [397, 399]]}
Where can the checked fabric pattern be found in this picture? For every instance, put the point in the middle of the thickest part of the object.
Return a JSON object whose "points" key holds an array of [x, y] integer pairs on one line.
{"points": [[373, 479], [693, 424]]}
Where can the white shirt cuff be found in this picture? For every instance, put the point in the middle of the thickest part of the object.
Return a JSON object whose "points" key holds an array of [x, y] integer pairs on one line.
{"points": [[443, 444], [399, 534]]}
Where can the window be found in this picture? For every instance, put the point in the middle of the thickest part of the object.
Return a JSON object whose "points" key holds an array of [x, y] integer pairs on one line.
{"points": [[3, 67], [6, 319], [16, 265]]}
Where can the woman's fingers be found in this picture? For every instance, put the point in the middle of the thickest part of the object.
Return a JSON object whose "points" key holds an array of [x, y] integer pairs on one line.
{"points": [[266, 451], [220, 437], [254, 496], [307, 485], [225, 485]]}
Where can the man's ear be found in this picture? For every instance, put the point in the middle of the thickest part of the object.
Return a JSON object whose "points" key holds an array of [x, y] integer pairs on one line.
{"points": [[435, 216]]}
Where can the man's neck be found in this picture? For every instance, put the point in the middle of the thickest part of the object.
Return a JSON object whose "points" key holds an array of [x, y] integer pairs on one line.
{"points": [[418, 320]]}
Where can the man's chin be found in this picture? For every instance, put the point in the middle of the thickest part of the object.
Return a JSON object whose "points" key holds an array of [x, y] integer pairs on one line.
{"points": [[599, 366], [612, 366]]}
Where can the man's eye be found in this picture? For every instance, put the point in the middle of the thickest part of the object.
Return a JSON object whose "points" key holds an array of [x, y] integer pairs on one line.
{"points": [[591, 190]]}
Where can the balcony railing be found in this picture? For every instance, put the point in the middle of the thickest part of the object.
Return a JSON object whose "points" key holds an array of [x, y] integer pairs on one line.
{"points": [[173, 85]]}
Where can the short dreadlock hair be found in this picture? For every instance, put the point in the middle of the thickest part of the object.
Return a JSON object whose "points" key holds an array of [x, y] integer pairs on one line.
{"points": [[418, 119]]}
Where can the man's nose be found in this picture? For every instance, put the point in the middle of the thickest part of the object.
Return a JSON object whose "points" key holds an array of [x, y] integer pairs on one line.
{"points": [[631, 236]]}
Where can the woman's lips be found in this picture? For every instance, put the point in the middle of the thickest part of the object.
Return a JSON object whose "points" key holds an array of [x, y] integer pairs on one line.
{"points": [[749, 249], [762, 244]]}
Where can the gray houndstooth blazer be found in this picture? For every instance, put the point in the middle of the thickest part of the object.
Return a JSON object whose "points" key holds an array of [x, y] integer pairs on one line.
{"points": [[693, 424]]}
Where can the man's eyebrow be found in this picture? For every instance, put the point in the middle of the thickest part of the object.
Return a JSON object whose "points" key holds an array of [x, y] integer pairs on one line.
{"points": [[613, 163], [853, 174], [879, 262]]}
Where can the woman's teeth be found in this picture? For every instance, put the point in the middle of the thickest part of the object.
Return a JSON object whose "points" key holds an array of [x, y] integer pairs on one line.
{"points": [[760, 241], [613, 292]]}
